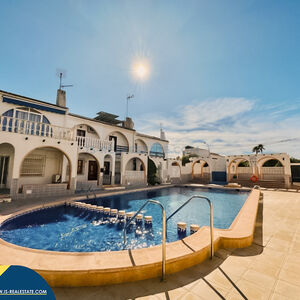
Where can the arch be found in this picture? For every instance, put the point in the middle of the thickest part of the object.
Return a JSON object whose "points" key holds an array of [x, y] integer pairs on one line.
{"points": [[264, 159], [140, 146], [235, 160], [7, 155], [85, 178], [132, 171], [90, 129], [272, 163], [45, 148], [157, 149], [203, 164], [121, 143], [271, 168]]}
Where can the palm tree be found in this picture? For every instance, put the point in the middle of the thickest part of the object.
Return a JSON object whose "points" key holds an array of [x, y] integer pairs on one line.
{"points": [[258, 148]]}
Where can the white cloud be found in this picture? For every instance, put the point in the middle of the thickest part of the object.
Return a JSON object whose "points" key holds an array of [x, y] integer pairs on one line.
{"points": [[228, 125]]}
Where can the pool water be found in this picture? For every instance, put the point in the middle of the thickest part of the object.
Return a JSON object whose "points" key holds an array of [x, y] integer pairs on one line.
{"points": [[73, 229]]}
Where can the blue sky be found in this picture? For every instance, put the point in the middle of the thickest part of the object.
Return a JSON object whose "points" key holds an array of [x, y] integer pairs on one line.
{"points": [[226, 72]]}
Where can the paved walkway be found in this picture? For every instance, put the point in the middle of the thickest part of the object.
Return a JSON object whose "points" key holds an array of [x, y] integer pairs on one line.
{"points": [[269, 269]]}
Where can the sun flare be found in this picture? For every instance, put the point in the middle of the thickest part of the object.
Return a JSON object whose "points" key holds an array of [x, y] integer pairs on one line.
{"points": [[141, 70]]}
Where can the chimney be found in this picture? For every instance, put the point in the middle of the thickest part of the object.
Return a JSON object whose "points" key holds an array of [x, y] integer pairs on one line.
{"points": [[128, 123], [61, 98], [162, 134]]}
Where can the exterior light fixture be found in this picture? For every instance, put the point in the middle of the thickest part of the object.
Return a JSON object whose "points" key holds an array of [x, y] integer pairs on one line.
{"points": [[26, 138], [58, 142], [44, 141], [72, 144]]}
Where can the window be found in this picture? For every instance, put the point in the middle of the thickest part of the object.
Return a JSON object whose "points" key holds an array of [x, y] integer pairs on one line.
{"points": [[80, 132], [157, 150], [33, 166], [80, 167]]}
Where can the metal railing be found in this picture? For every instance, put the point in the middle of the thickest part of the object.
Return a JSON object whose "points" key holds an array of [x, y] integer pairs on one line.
{"points": [[120, 148], [164, 230], [211, 219]]}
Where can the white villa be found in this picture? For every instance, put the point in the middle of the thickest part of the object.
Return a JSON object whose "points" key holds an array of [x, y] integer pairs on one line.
{"points": [[46, 150]]}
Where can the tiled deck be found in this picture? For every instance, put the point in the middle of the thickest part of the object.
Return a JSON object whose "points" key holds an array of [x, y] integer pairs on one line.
{"points": [[269, 269]]}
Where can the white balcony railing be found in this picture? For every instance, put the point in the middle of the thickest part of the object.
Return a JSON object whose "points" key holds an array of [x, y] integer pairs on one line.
{"points": [[89, 142], [14, 125]]}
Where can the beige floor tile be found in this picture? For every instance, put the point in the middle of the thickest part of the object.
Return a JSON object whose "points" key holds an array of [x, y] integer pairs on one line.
{"points": [[235, 270], [260, 280], [288, 290], [177, 293], [252, 291], [234, 295], [278, 297], [190, 296], [208, 291], [266, 268], [290, 277], [218, 278]]}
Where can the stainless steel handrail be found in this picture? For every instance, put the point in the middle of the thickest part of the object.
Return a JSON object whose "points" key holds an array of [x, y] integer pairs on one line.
{"points": [[211, 219], [164, 223]]}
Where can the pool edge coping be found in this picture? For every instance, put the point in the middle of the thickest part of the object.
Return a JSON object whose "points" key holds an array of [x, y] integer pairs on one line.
{"points": [[192, 250]]}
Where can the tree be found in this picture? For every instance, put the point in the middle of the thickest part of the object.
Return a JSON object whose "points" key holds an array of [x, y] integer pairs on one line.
{"points": [[185, 160], [188, 147], [258, 148], [294, 160]]}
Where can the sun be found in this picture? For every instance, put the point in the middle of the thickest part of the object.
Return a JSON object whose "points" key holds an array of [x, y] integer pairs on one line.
{"points": [[140, 70]]}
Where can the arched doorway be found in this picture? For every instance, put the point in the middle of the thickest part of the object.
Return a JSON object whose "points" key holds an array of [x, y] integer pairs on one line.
{"points": [[272, 169], [44, 171], [243, 170], [7, 152], [107, 170], [88, 171], [201, 171], [135, 172]]}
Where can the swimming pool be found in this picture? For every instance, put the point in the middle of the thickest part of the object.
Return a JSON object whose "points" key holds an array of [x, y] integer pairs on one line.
{"points": [[72, 229]]}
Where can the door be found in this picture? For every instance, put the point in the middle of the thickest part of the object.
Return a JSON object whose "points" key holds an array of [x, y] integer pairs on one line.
{"points": [[81, 137], [106, 174], [93, 170], [4, 160]]}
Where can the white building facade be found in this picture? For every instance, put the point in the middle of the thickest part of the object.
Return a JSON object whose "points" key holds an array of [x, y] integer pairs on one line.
{"points": [[46, 150]]}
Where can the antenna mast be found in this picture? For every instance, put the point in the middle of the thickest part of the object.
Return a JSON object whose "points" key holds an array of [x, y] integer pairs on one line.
{"points": [[128, 98]]}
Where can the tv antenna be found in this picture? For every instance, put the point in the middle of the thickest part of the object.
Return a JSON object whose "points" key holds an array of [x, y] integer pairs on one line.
{"points": [[62, 74], [128, 98]]}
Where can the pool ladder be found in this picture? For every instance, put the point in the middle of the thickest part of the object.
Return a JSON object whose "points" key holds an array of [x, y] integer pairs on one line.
{"points": [[164, 226], [211, 219]]}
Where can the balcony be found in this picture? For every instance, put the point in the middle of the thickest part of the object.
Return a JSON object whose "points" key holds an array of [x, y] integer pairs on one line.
{"points": [[122, 149], [94, 143], [27, 127]]}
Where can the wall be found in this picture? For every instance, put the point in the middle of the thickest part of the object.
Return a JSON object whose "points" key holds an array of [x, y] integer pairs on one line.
{"points": [[53, 165]]}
